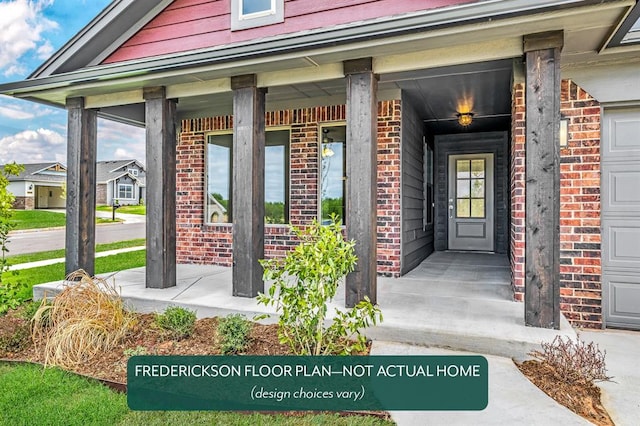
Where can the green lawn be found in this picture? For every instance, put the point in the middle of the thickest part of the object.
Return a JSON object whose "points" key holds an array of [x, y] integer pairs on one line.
{"points": [[36, 219], [55, 272], [56, 254], [30, 395], [32, 219], [133, 209]]}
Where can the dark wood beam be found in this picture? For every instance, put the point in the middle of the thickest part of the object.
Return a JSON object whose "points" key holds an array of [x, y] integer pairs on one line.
{"points": [[542, 188], [160, 119], [361, 214], [248, 185], [80, 239]]}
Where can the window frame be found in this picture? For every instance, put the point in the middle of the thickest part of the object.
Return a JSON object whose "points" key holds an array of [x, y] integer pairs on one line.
{"points": [[122, 185], [207, 216], [133, 172], [240, 21], [287, 175], [344, 169], [287, 172]]}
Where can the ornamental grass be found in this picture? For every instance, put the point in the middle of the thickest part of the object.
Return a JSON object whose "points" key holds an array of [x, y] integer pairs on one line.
{"points": [[85, 319]]}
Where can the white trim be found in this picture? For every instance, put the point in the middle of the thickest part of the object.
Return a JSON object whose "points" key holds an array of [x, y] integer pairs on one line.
{"points": [[240, 21]]}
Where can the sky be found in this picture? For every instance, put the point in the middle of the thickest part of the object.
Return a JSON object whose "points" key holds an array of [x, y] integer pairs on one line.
{"points": [[30, 32]]}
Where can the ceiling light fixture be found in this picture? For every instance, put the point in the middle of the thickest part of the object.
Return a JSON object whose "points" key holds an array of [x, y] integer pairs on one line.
{"points": [[465, 118], [326, 141]]}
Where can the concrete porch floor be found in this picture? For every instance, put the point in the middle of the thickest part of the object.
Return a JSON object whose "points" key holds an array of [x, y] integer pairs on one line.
{"points": [[454, 300]]}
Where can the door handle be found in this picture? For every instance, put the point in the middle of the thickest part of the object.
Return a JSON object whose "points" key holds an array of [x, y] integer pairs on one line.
{"points": [[450, 208]]}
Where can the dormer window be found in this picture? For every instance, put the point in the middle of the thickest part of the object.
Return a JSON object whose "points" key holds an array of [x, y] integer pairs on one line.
{"points": [[255, 13]]}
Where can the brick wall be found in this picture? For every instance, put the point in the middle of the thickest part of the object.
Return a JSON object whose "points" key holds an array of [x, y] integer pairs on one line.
{"points": [[580, 251], [198, 242], [518, 137], [388, 203]]}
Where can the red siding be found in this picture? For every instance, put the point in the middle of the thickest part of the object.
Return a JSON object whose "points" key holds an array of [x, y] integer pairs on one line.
{"points": [[195, 24]]}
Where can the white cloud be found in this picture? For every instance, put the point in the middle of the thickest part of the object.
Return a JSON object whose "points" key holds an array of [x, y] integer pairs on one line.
{"points": [[33, 146], [15, 113], [15, 109], [117, 141], [21, 28], [45, 51]]}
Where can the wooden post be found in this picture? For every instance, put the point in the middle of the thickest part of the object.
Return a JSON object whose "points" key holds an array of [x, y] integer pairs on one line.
{"points": [[248, 185], [80, 240], [160, 119], [361, 214], [542, 188]]}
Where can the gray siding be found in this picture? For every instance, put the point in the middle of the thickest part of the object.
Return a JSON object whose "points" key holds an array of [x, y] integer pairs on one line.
{"points": [[470, 143], [417, 242]]}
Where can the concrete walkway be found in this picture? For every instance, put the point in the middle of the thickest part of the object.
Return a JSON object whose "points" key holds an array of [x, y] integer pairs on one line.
{"points": [[46, 262], [452, 301], [513, 399]]}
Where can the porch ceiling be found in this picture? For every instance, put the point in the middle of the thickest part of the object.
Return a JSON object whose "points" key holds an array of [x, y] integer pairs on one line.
{"points": [[438, 94]]}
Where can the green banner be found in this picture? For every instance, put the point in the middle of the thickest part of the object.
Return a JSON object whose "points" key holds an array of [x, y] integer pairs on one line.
{"points": [[282, 383]]}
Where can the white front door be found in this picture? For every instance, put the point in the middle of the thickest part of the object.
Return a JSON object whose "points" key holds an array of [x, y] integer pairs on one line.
{"points": [[470, 196], [43, 198]]}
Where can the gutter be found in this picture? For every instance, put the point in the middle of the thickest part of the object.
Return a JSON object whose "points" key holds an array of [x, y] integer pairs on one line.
{"points": [[481, 11]]}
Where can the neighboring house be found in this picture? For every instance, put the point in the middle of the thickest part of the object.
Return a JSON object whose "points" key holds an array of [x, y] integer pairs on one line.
{"points": [[120, 180], [441, 120], [216, 211], [39, 186]]}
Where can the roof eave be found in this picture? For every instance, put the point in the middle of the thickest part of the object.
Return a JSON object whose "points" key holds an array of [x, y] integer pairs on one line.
{"points": [[259, 49]]}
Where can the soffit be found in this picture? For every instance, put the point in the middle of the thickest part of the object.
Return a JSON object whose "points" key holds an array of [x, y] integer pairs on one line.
{"points": [[586, 30]]}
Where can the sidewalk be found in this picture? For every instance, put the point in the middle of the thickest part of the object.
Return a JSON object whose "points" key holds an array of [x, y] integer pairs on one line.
{"points": [[61, 259]]}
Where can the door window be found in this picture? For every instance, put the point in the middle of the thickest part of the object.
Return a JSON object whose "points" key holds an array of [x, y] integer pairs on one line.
{"points": [[470, 188]]}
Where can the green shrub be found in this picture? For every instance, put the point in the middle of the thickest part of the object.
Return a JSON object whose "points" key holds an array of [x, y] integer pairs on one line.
{"points": [[177, 321], [233, 332], [12, 294], [305, 281]]}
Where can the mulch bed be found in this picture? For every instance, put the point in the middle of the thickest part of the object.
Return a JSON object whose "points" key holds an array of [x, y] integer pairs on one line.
{"points": [[582, 398], [112, 366], [145, 334]]}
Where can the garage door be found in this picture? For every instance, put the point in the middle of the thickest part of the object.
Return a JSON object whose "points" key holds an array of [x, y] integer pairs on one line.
{"points": [[620, 161]]}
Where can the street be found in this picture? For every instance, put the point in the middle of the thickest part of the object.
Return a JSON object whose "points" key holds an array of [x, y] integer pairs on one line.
{"points": [[35, 241]]}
